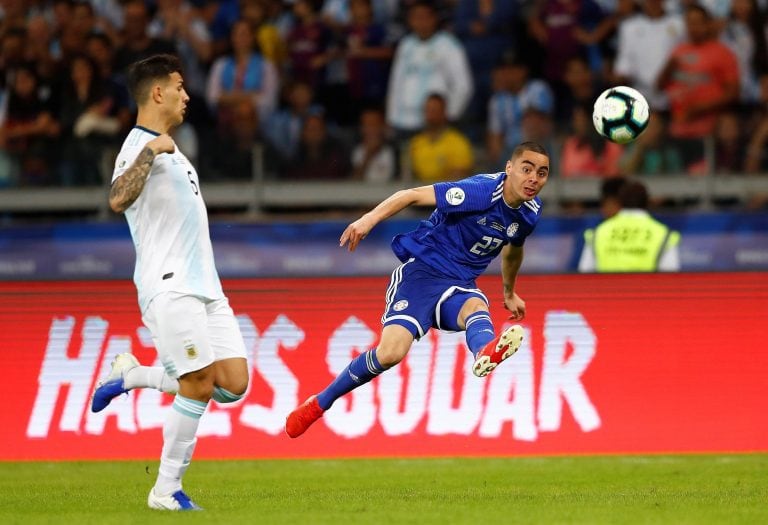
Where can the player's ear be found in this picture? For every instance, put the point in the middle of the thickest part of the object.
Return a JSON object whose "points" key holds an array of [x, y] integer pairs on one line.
{"points": [[157, 93]]}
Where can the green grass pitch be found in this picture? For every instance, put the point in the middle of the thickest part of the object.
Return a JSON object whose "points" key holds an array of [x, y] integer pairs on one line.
{"points": [[692, 489]]}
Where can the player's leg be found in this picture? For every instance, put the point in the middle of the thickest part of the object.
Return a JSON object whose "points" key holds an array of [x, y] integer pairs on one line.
{"points": [[125, 375], [489, 351], [393, 346], [403, 321], [226, 340], [467, 310], [179, 325]]}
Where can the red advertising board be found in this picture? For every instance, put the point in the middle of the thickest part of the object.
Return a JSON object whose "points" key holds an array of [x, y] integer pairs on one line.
{"points": [[610, 364]]}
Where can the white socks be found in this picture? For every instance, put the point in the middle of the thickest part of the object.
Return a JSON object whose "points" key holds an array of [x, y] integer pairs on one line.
{"points": [[150, 377], [178, 443]]}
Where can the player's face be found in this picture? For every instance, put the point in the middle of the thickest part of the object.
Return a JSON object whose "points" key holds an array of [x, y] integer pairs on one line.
{"points": [[526, 176], [176, 98]]}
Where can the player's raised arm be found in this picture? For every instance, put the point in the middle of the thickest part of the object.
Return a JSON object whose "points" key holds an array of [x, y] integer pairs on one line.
{"points": [[398, 201], [511, 260], [128, 186]]}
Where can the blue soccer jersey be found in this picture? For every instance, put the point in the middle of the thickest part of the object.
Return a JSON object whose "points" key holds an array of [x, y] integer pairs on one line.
{"points": [[469, 227]]}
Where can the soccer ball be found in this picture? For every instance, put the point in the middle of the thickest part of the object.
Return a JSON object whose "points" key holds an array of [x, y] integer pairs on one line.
{"points": [[620, 114]]}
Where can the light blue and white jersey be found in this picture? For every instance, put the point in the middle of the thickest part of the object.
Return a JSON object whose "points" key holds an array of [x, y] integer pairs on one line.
{"points": [[506, 111], [422, 67], [169, 226], [468, 229]]}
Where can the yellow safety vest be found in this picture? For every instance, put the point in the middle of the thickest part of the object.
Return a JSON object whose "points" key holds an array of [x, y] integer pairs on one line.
{"points": [[630, 242]]}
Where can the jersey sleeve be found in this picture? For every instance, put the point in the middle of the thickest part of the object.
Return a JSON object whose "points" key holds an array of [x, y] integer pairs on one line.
{"points": [[471, 194], [127, 155]]}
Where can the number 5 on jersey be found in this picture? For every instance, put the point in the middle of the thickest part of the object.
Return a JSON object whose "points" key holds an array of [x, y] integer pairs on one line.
{"points": [[193, 183]]}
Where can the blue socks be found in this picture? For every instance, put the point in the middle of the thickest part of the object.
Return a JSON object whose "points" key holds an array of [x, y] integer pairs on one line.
{"points": [[479, 331], [362, 369]]}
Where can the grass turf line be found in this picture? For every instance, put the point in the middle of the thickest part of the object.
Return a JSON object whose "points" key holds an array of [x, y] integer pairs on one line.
{"points": [[696, 489]]}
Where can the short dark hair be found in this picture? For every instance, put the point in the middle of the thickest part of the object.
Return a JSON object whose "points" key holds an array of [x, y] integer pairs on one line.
{"points": [[633, 195], [611, 187], [141, 74], [528, 146]]}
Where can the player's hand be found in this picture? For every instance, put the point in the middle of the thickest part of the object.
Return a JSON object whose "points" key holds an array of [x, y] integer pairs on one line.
{"points": [[162, 144], [516, 307], [355, 232]]}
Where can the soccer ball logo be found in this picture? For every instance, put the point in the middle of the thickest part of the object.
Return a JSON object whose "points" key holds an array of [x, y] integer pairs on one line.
{"points": [[620, 114]]}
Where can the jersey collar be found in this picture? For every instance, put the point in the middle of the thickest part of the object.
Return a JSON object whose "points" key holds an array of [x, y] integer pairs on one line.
{"points": [[147, 130]]}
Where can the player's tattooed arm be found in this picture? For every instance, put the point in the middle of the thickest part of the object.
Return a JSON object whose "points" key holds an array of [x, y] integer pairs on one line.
{"points": [[127, 188]]}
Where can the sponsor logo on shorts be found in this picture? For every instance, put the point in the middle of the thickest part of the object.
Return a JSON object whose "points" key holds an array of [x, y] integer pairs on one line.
{"points": [[189, 346], [122, 163], [400, 305], [454, 196], [512, 229]]}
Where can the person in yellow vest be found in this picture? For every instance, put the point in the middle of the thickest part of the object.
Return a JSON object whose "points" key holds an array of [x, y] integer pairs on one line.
{"points": [[632, 240], [440, 152]]}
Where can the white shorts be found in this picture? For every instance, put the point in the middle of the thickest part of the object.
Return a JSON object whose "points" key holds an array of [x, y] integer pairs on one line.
{"points": [[190, 333]]}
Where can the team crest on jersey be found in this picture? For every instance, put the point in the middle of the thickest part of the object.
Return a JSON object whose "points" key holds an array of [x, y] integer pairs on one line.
{"points": [[400, 305], [454, 196], [189, 346], [512, 229]]}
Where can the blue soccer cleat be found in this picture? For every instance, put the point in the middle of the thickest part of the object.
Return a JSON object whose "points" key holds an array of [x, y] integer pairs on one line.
{"points": [[176, 501], [113, 385]]}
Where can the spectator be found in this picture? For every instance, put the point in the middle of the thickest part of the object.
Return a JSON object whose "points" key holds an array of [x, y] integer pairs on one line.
{"points": [[12, 50], [730, 144], [565, 29], [28, 131], [701, 79], [632, 240], [757, 148], [135, 41], [308, 45], [583, 85], [233, 156], [243, 75], [282, 129], [268, 39], [177, 21], [101, 51], [744, 34], [368, 57], [320, 156], [645, 42], [426, 61], [513, 92], [439, 152], [585, 153], [37, 49], [485, 30], [652, 153], [220, 15], [373, 159], [86, 124]]}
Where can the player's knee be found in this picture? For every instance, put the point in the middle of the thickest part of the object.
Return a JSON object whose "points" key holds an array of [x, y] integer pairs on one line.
{"points": [[389, 357], [197, 385], [239, 386], [224, 395]]}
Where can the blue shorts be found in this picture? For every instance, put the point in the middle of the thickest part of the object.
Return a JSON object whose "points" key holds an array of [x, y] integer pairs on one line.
{"points": [[418, 300]]}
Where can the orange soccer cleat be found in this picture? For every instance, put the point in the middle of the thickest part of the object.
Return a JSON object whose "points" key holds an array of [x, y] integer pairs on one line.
{"points": [[302, 417], [498, 350]]}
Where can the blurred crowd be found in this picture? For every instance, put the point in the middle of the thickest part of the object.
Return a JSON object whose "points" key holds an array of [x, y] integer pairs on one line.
{"points": [[374, 90]]}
